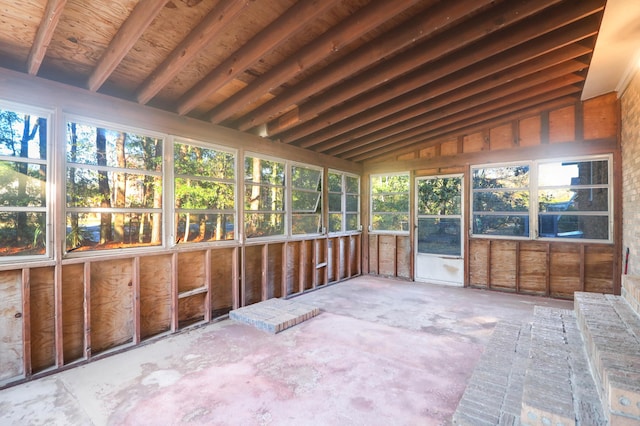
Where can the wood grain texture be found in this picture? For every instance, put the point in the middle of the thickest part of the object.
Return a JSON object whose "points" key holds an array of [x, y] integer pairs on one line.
{"points": [[72, 312], [222, 276], [191, 270], [111, 304], [252, 277], [11, 350], [533, 267], [503, 265], [43, 349], [155, 295], [274, 276]]}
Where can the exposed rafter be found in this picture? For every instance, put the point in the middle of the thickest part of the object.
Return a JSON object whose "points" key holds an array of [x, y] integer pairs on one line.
{"points": [[349, 30], [287, 25], [355, 79], [421, 27], [135, 25], [212, 25], [43, 36]]}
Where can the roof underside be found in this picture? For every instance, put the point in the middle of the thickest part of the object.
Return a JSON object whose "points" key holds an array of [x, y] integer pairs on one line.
{"points": [[355, 79]]}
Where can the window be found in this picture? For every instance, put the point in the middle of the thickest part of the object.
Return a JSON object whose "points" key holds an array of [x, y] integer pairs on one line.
{"points": [[24, 174], [439, 215], [500, 200], [344, 202], [574, 199], [390, 202], [114, 188], [560, 199], [204, 193], [306, 196], [264, 213]]}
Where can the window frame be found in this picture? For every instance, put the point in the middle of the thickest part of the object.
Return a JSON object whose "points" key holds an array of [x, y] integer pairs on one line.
{"points": [[165, 175], [285, 198], [343, 200], [176, 211], [528, 189], [49, 193], [610, 193], [289, 191], [534, 209], [408, 212]]}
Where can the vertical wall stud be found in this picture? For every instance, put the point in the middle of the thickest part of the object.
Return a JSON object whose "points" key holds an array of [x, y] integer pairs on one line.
{"points": [[87, 309], [174, 292], [207, 283], [136, 300], [26, 322]]}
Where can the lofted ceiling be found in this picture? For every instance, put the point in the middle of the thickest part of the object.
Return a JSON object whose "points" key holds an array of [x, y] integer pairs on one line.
{"points": [[355, 79]]}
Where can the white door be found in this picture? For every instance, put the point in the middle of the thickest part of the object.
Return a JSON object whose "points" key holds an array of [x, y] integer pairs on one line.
{"points": [[439, 237]]}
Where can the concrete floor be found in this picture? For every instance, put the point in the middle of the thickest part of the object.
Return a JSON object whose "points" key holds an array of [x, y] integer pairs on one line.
{"points": [[381, 352]]}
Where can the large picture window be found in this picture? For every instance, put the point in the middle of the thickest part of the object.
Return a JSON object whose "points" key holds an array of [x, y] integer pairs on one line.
{"points": [[390, 203], [114, 188], [574, 199], [264, 209], [306, 197], [204, 190], [344, 202], [500, 200], [567, 199], [24, 175]]}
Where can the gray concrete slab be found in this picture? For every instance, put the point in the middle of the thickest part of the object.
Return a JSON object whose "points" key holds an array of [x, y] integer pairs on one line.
{"points": [[381, 352]]}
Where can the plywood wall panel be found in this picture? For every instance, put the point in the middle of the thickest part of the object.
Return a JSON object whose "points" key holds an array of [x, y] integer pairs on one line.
{"points": [[11, 318], [478, 261], [529, 129], [321, 257], [564, 270], [111, 304], [191, 310], [274, 276], [373, 254], [155, 295], [222, 276], [43, 315], [428, 152], [307, 264], [503, 265], [600, 117], [473, 142], [449, 147], [387, 255], [252, 280], [191, 270], [404, 257], [598, 275], [73, 312], [501, 137], [293, 267], [562, 125], [533, 267]]}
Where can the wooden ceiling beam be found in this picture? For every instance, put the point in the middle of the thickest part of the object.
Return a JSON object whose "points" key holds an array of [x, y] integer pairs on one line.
{"points": [[443, 76], [48, 25], [456, 88], [283, 28], [355, 26], [363, 151], [447, 43], [220, 16], [409, 33], [516, 91], [131, 30]]}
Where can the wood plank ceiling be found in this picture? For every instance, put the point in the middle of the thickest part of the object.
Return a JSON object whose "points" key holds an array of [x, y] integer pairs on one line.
{"points": [[355, 79]]}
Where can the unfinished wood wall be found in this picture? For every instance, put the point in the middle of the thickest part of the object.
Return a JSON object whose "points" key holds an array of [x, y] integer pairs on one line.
{"points": [[54, 316], [551, 268]]}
